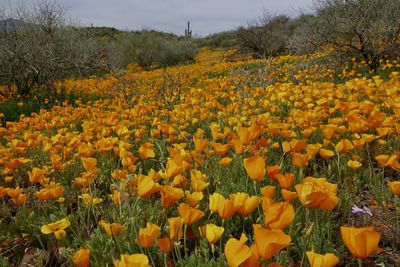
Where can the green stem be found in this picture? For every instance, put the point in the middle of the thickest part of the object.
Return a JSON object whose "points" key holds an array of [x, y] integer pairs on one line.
{"points": [[220, 240], [116, 243], [258, 207], [184, 239], [151, 258]]}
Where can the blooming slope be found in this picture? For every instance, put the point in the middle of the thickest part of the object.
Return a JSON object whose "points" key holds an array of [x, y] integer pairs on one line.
{"points": [[221, 161]]}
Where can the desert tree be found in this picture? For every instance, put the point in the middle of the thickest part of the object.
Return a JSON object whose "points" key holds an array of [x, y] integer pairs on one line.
{"points": [[369, 29], [39, 47], [265, 38]]}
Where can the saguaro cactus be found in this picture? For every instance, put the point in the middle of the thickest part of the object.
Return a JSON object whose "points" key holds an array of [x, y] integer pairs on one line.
{"points": [[188, 31]]}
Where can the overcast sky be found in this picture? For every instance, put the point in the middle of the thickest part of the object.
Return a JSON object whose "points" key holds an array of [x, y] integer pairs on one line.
{"points": [[205, 16]]}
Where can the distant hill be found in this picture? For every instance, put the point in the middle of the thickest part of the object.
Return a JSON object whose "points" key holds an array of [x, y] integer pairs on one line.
{"points": [[100, 32], [226, 39], [9, 24]]}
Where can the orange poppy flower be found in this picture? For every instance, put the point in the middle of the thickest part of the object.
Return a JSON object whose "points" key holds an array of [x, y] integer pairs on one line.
{"points": [[390, 161], [318, 260], [236, 251], [269, 242], [173, 169], [106, 144], [317, 192], [245, 136], [211, 232], [273, 171], [147, 187], [165, 244], [118, 197], [225, 161], [245, 204], [237, 145], [394, 187], [254, 259], [354, 164], [224, 207], [89, 200], [15, 163], [146, 151], [300, 160], [255, 167], [137, 260], [326, 153], [193, 198], [288, 195], [85, 150], [278, 215], [200, 144], [148, 235], [16, 195], [82, 258], [170, 195], [20, 199], [188, 214], [268, 191], [51, 191], [180, 181], [56, 161], [361, 242], [198, 180], [309, 131], [37, 175], [293, 146], [119, 174], [285, 180], [344, 146], [90, 164], [13, 192], [359, 143], [382, 160], [220, 149], [199, 185], [56, 228], [384, 131], [214, 201], [276, 146], [114, 229], [175, 226], [312, 149]]}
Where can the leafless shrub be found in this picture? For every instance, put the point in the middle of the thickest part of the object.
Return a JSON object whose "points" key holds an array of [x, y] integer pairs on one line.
{"points": [[267, 38], [38, 47], [367, 28]]}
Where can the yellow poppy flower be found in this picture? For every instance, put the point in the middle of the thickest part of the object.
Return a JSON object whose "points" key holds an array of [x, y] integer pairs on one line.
{"points": [[56, 228]]}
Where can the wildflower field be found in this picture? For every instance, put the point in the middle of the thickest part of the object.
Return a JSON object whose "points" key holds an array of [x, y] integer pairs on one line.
{"points": [[272, 162]]}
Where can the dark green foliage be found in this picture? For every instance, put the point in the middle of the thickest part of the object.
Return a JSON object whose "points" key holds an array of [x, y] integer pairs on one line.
{"points": [[4, 262], [14, 108], [151, 49], [225, 39]]}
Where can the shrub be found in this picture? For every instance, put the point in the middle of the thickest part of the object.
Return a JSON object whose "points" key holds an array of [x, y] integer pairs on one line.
{"points": [[39, 48], [267, 38], [370, 29], [149, 48]]}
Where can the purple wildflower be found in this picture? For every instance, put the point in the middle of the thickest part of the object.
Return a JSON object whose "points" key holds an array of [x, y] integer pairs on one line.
{"points": [[363, 210]]}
